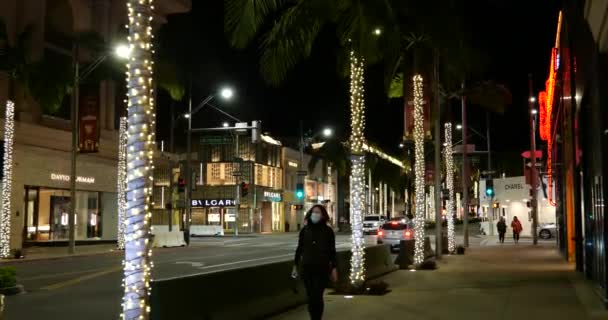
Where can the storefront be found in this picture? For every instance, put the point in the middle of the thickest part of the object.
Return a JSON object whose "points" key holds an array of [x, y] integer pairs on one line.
{"points": [[42, 199], [214, 212], [272, 211]]}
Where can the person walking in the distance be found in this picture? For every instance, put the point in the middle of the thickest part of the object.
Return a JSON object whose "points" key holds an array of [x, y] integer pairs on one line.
{"points": [[517, 228], [316, 258], [501, 226]]}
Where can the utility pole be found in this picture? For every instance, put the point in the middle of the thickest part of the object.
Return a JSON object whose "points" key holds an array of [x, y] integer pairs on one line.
{"points": [[490, 174], [75, 127], [465, 174], [533, 174], [438, 207], [187, 201], [237, 175]]}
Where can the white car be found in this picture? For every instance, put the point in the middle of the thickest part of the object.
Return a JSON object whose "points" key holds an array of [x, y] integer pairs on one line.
{"points": [[372, 223], [393, 232]]}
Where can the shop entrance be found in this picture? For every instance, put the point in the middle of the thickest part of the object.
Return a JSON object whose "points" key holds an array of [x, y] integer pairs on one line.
{"points": [[47, 214]]}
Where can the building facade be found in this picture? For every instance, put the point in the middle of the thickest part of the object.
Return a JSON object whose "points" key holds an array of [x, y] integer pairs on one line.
{"points": [[42, 138], [320, 187], [574, 126], [259, 173]]}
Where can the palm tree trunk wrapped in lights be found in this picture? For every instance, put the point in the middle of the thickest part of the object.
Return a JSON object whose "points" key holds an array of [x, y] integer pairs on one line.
{"points": [[7, 181], [140, 146], [122, 181], [449, 179], [419, 168], [357, 178]]}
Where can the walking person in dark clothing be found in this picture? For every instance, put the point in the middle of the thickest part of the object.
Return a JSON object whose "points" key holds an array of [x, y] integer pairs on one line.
{"points": [[501, 226], [316, 258]]}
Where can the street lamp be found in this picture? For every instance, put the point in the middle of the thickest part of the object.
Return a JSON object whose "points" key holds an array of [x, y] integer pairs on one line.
{"points": [[122, 52], [459, 127], [226, 93], [377, 31], [401, 145], [534, 111], [328, 132], [225, 124]]}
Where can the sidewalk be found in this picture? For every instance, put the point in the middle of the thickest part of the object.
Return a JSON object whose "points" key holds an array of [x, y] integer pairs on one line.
{"points": [[497, 282], [44, 253]]}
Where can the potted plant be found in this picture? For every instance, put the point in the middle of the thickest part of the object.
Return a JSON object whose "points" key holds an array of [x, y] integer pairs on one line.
{"points": [[8, 281]]}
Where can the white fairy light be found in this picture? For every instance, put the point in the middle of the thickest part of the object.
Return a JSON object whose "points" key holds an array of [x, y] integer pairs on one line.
{"points": [[419, 168], [357, 178], [122, 181], [140, 146], [7, 181], [449, 179]]}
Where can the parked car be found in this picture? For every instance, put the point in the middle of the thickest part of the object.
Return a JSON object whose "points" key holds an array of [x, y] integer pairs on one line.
{"points": [[547, 231], [372, 223], [393, 232]]}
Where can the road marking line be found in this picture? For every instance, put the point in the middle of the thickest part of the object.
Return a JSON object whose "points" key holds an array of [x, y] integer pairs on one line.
{"points": [[194, 264], [80, 279]]}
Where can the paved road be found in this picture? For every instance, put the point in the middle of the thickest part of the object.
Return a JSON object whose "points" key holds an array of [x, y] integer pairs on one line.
{"points": [[89, 287]]}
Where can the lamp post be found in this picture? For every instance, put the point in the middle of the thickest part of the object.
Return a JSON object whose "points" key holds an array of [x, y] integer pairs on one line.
{"points": [[304, 142], [121, 51], [226, 93], [533, 173]]}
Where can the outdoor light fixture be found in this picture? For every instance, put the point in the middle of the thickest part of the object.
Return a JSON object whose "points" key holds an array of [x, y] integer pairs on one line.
{"points": [[534, 111], [357, 175], [187, 115], [459, 127], [122, 181], [7, 181], [449, 168], [227, 93], [377, 31], [122, 51], [137, 265], [419, 167], [532, 99], [328, 132], [401, 145], [225, 124]]}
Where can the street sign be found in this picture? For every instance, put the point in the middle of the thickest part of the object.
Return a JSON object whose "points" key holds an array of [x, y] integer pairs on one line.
{"points": [[302, 173], [216, 140]]}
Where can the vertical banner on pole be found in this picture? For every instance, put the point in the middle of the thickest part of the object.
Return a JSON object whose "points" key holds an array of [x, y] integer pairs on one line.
{"points": [[88, 119]]}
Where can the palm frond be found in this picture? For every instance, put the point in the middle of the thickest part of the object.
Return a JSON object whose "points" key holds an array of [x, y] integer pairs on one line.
{"points": [[289, 41], [243, 18]]}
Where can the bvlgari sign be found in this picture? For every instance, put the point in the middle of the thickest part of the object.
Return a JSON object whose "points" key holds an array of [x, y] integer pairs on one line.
{"points": [[202, 203]]}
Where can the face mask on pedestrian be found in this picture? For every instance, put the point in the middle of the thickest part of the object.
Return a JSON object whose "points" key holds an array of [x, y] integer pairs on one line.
{"points": [[315, 217]]}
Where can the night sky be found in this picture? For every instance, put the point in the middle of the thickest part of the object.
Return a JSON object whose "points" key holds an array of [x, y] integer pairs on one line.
{"points": [[517, 35]]}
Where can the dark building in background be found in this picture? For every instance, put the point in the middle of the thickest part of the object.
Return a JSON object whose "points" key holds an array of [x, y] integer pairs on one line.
{"points": [[573, 125]]}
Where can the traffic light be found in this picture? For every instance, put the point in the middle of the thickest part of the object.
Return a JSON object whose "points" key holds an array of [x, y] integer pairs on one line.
{"points": [[244, 189], [300, 191], [181, 184], [490, 188]]}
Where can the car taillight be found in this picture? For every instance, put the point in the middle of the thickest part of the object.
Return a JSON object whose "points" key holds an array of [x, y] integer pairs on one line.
{"points": [[407, 233], [380, 232]]}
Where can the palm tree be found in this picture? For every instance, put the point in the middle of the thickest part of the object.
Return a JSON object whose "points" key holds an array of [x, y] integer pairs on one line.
{"points": [[289, 40], [137, 267]]}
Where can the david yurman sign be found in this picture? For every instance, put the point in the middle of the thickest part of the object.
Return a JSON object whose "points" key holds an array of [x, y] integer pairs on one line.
{"points": [[88, 119], [202, 203]]}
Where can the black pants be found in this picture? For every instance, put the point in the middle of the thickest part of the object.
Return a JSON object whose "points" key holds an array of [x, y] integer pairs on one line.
{"points": [[516, 236], [315, 283], [501, 237]]}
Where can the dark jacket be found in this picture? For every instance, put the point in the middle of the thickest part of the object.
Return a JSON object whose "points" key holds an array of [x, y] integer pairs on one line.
{"points": [[316, 248], [501, 226]]}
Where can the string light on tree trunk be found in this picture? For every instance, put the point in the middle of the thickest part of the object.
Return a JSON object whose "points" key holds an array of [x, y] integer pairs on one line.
{"points": [[140, 154], [122, 181], [357, 178], [419, 168], [449, 178], [7, 181]]}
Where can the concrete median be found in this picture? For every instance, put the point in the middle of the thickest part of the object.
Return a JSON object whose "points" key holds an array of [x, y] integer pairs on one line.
{"points": [[248, 293]]}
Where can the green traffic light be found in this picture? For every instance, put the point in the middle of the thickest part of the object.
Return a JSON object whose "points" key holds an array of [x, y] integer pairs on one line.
{"points": [[489, 192], [300, 194]]}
